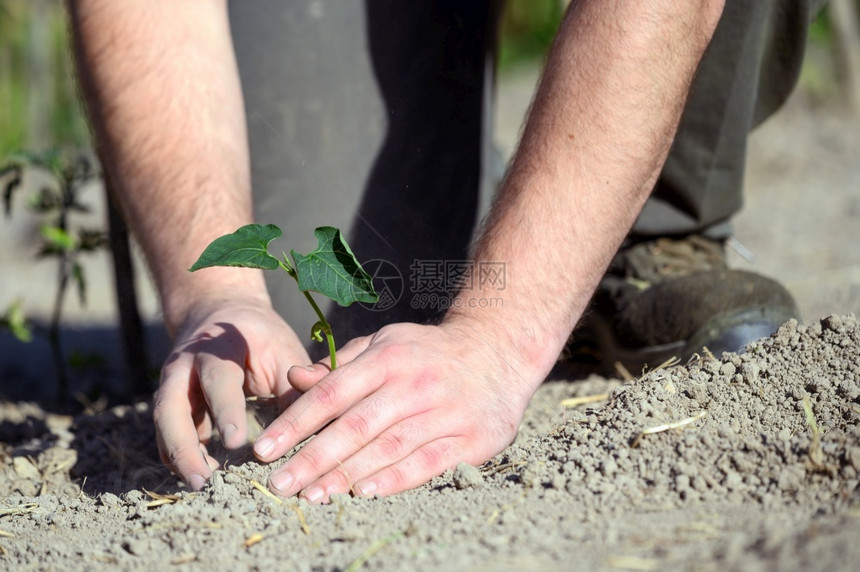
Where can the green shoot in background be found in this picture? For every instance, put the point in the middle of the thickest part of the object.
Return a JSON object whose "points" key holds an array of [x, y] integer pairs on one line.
{"points": [[56, 202], [331, 269]]}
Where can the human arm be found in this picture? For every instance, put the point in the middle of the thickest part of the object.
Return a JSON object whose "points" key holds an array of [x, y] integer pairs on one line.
{"points": [[410, 402], [163, 95]]}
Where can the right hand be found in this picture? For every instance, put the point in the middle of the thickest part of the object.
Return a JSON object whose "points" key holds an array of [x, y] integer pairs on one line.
{"points": [[223, 351]]}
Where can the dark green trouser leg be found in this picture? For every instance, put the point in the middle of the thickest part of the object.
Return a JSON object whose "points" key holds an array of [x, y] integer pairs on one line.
{"points": [[748, 71]]}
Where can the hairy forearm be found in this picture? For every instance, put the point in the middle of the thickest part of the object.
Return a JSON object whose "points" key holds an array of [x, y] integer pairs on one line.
{"points": [[163, 94], [596, 138]]}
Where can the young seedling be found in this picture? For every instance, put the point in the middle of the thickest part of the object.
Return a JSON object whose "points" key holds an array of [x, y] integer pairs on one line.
{"points": [[56, 202], [331, 269]]}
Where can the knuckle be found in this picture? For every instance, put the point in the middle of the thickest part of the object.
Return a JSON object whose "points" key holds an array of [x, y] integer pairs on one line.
{"points": [[338, 481], [436, 455], [393, 353], [327, 394], [358, 342], [284, 424], [391, 445], [311, 458], [356, 429], [396, 475]]}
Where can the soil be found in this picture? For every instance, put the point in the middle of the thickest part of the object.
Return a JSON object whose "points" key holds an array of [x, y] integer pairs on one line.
{"points": [[744, 462]]}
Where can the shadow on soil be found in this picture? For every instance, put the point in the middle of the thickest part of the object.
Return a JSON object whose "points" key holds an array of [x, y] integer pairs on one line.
{"points": [[110, 428]]}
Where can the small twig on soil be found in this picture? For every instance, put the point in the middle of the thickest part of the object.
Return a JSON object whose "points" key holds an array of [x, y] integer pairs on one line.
{"points": [[105, 558], [709, 353], [672, 361], [266, 492], [19, 510], [158, 503], [60, 466], [6, 534], [504, 466], [253, 539], [816, 454], [159, 499], [577, 401], [298, 510], [623, 372], [371, 550], [183, 559], [3, 550], [81, 493], [667, 427]]}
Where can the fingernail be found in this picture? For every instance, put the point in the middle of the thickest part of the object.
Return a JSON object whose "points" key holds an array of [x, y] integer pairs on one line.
{"points": [[228, 431], [313, 494], [366, 489], [264, 446], [196, 482], [304, 368], [282, 481]]}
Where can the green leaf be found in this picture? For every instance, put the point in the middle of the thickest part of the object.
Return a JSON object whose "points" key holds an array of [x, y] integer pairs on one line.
{"points": [[248, 247], [58, 238], [16, 322], [333, 271]]}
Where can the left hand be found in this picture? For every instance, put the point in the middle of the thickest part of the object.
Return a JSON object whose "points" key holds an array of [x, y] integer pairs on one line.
{"points": [[405, 404]]}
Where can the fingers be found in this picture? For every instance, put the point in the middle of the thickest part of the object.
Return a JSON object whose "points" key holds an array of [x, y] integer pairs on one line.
{"points": [[220, 354], [179, 442], [321, 403], [222, 375], [426, 462], [351, 432], [304, 377], [391, 447]]}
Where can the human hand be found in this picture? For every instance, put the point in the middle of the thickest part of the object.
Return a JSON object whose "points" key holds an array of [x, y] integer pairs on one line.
{"points": [[224, 350], [407, 403]]}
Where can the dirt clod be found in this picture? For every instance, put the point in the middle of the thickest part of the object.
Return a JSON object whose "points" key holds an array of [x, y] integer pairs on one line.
{"points": [[466, 476]]}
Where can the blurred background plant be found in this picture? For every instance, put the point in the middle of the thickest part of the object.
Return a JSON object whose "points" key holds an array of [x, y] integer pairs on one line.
{"points": [[38, 100], [527, 30], [55, 200]]}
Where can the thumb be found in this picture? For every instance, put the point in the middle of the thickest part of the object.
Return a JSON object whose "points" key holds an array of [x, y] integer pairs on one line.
{"points": [[304, 377]]}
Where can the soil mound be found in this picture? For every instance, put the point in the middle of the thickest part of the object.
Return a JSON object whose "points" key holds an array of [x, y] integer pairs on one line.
{"points": [[746, 461]]}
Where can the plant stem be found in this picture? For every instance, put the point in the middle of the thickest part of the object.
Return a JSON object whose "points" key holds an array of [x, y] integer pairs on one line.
{"points": [[326, 328], [54, 329]]}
